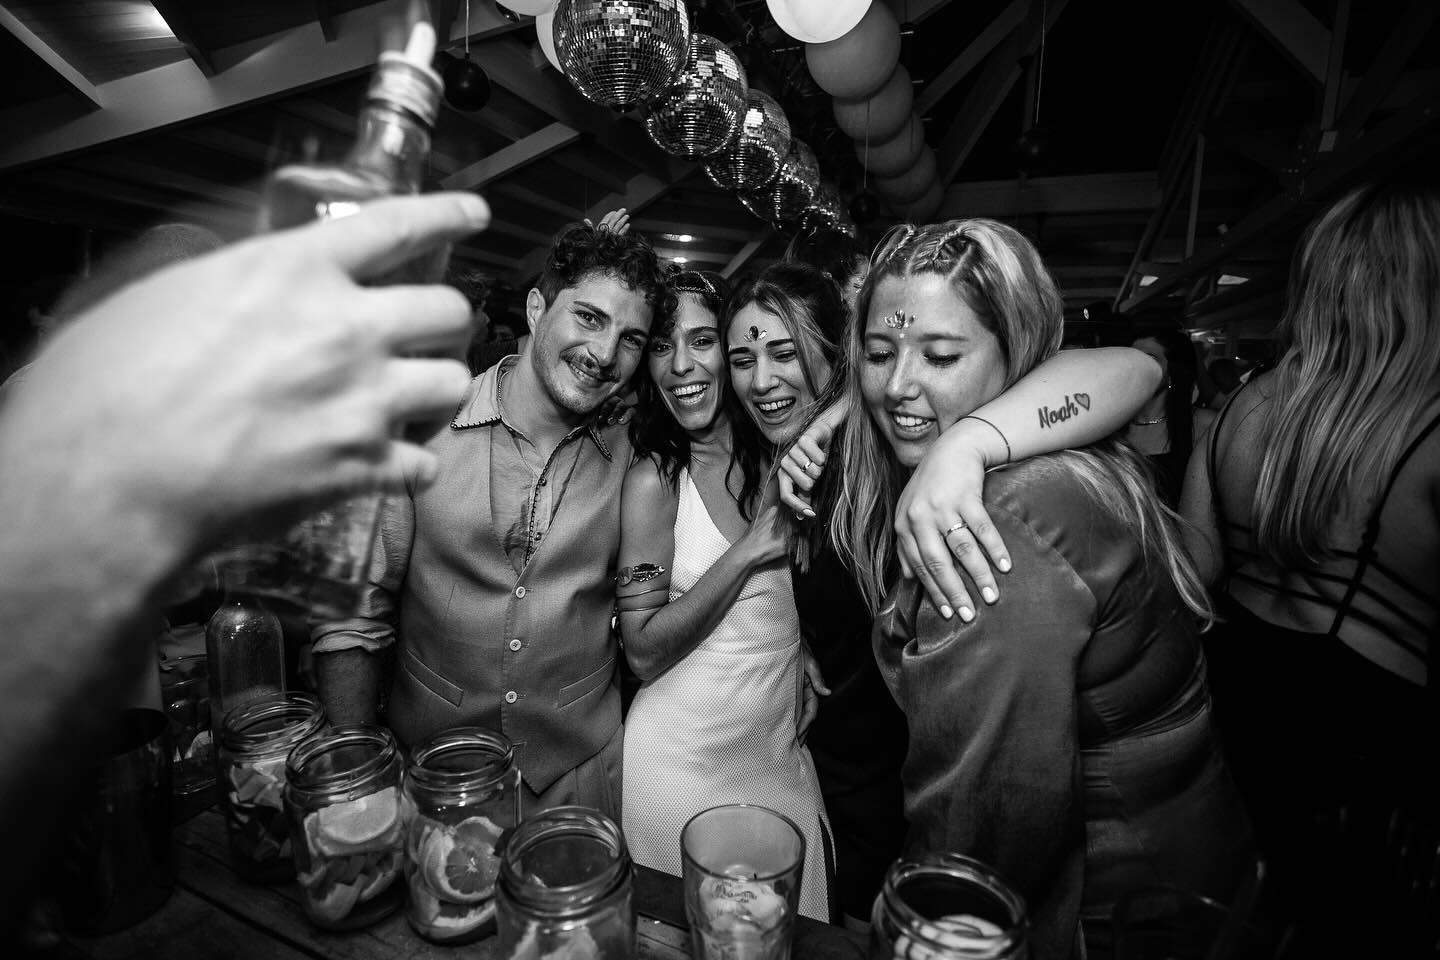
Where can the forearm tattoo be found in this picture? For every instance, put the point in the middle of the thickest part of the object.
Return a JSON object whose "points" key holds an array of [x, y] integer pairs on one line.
{"points": [[1074, 405]]}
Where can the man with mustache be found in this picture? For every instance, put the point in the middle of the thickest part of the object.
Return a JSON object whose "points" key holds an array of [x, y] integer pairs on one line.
{"points": [[496, 584]]}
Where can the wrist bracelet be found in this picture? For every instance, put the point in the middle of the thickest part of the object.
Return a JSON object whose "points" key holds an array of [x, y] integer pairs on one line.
{"points": [[996, 429]]}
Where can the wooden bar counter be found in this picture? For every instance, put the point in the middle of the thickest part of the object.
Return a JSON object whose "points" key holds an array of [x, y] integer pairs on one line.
{"points": [[215, 914]]}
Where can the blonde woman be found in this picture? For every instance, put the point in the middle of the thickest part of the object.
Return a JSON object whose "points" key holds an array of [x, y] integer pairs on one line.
{"points": [[1063, 736], [1315, 510]]}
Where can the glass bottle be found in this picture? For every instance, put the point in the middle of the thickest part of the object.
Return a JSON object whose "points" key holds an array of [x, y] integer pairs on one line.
{"points": [[462, 791], [244, 653], [320, 565], [944, 906], [342, 795], [255, 739], [565, 888]]}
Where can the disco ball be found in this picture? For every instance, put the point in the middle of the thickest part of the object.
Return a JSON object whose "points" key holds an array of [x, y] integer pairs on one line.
{"points": [[621, 52], [701, 111], [795, 187], [754, 158], [824, 210]]}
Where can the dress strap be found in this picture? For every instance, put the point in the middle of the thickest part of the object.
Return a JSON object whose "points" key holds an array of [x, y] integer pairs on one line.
{"points": [[1211, 456], [1367, 547]]}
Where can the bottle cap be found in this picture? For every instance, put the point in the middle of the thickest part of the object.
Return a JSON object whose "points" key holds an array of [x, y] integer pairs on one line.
{"points": [[406, 79]]}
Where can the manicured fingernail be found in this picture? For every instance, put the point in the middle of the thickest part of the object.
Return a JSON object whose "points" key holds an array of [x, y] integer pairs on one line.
{"points": [[475, 208], [989, 594], [967, 614], [809, 513], [946, 612], [1004, 564]]}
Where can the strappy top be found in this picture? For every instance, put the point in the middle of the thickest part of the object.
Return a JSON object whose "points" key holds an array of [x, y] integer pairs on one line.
{"points": [[1363, 585]]}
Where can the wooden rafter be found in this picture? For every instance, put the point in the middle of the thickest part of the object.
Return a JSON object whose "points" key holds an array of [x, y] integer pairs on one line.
{"points": [[325, 16], [642, 190], [539, 144], [1292, 28], [1331, 172], [1408, 29], [53, 60], [972, 56], [181, 21], [176, 93], [1052, 195], [747, 252], [1001, 70]]}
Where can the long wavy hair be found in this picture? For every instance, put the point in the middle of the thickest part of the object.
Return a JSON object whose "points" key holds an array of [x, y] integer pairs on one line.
{"points": [[1361, 349], [656, 434], [999, 275], [809, 304]]}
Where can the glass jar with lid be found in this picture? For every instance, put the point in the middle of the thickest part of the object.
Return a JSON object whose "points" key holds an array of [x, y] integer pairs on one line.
{"points": [[255, 739], [461, 793], [343, 799], [944, 906], [565, 888]]}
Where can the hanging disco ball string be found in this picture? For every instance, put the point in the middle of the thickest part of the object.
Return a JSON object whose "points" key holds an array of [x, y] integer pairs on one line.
{"points": [[620, 53]]}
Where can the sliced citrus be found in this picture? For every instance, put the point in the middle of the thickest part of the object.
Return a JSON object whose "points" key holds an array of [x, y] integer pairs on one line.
{"points": [[469, 868], [337, 904], [357, 823]]}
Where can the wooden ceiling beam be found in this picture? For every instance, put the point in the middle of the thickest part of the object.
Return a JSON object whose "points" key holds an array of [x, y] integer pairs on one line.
{"points": [[653, 227], [230, 220], [325, 16], [1411, 24], [226, 141], [972, 56], [1330, 172], [642, 190], [578, 163], [250, 72], [53, 60], [482, 256], [538, 200], [1292, 28], [519, 232], [519, 154], [1089, 193], [747, 252], [1001, 70], [507, 62], [146, 174], [181, 23]]}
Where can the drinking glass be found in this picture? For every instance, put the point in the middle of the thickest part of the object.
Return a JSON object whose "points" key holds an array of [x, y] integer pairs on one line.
{"points": [[185, 692], [741, 867]]}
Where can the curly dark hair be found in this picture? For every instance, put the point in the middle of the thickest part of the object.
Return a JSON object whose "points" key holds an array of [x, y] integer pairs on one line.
{"points": [[654, 431], [580, 249]]}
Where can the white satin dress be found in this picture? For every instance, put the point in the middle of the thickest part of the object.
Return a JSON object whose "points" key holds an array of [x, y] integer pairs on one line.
{"points": [[719, 726]]}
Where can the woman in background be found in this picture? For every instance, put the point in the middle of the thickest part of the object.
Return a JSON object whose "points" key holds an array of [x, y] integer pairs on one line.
{"points": [[1064, 736], [781, 358], [706, 612], [1164, 429], [1316, 511]]}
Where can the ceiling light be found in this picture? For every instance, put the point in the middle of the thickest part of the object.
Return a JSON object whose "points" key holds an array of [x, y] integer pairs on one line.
{"points": [[1230, 280], [678, 237], [681, 259]]}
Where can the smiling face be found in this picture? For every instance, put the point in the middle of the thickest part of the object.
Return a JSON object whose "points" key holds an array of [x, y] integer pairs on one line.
{"points": [[688, 366], [587, 343], [927, 360], [766, 373]]}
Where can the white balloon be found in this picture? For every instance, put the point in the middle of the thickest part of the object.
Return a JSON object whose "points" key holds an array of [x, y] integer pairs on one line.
{"points": [[817, 21], [530, 8], [545, 33]]}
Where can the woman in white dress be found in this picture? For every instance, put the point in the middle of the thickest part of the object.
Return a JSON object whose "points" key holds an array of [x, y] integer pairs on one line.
{"points": [[706, 612]]}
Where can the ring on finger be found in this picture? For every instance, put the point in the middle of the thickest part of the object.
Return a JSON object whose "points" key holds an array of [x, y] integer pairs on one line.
{"points": [[957, 525], [806, 467]]}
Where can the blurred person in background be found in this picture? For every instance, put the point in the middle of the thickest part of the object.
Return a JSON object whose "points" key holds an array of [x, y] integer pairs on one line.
{"points": [[1315, 514], [1165, 430], [129, 451], [840, 257]]}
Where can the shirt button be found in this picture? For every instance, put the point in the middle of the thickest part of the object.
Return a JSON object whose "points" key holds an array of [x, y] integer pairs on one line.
{"points": [[511, 697], [520, 593], [540, 482], [514, 644]]}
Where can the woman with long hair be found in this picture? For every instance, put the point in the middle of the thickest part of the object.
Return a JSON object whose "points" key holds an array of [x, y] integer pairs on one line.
{"points": [[1064, 736], [1315, 513], [782, 357], [706, 612], [1164, 429]]}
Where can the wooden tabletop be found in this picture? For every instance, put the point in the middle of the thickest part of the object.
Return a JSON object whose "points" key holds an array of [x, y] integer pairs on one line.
{"points": [[213, 913]]}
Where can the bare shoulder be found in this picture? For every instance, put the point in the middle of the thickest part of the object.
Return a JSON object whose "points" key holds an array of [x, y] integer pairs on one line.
{"points": [[644, 478]]}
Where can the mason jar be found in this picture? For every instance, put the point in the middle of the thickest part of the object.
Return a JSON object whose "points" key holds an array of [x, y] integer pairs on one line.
{"points": [[565, 888], [255, 739], [944, 906], [462, 791], [343, 799]]}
